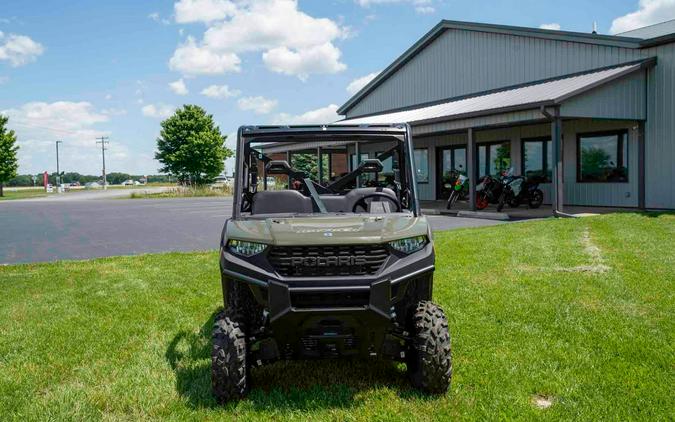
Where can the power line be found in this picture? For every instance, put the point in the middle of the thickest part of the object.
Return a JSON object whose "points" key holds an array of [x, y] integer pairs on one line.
{"points": [[103, 140]]}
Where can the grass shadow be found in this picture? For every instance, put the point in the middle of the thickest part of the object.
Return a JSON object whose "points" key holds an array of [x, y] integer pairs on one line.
{"points": [[285, 385]]}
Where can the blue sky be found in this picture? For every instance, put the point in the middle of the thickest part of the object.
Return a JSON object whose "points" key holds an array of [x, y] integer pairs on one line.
{"points": [[74, 70]]}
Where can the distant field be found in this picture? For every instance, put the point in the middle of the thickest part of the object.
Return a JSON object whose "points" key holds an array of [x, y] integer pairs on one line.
{"points": [[182, 192], [23, 193], [569, 319]]}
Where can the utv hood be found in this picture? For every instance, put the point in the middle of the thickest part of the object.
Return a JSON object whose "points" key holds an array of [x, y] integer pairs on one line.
{"points": [[328, 230]]}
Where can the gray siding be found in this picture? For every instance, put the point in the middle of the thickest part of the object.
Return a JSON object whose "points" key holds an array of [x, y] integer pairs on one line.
{"points": [[601, 194], [660, 130], [461, 62], [621, 99]]}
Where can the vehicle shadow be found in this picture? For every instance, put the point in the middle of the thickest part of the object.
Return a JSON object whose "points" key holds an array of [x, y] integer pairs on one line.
{"points": [[289, 385]]}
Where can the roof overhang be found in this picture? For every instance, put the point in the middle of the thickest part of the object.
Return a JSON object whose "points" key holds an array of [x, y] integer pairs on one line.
{"points": [[532, 96]]}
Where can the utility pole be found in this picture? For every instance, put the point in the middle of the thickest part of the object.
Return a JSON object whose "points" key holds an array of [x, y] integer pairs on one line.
{"points": [[58, 170], [103, 140]]}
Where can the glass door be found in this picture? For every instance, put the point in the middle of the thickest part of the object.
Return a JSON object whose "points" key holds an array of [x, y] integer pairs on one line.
{"points": [[450, 161]]}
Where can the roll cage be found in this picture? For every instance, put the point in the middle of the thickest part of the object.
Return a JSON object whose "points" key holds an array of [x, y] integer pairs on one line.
{"points": [[246, 159]]}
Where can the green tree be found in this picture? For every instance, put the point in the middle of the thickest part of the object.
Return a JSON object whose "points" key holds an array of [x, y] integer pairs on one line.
{"points": [[308, 163], [191, 147], [8, 148], [595, 163]]}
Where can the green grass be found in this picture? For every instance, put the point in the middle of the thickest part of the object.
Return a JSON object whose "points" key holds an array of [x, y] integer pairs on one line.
{"points": [[23, 194], [577, 311], [177, 192]]}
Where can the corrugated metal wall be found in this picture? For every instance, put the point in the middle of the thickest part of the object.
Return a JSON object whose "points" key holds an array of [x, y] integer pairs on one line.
{"points": [[660, 130], [462, 62], [602, 194]]}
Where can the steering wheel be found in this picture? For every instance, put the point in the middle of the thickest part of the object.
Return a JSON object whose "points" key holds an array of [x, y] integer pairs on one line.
{"points": [[363, 204]]}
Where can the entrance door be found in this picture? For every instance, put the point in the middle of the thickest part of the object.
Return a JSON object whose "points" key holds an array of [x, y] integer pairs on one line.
{"points": [[448, 159]]}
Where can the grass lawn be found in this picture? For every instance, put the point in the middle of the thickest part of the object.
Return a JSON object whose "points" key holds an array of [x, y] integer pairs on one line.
{"points": [[23, 194], [177, 192], [575, 313]]}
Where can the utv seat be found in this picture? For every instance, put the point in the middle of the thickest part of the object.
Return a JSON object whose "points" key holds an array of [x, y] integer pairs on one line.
{"points": [[281, 202], [345, 203]]}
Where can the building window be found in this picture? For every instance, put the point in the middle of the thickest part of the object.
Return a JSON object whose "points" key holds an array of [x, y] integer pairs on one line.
{"points": [[537, 159], [602, 157], [422, 165], [493, 158]]}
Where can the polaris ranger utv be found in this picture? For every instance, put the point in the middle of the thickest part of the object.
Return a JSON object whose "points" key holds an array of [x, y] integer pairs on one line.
{"points": [[326, 255]]}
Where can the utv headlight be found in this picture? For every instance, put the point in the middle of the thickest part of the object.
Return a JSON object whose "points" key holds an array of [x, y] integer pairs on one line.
{"points": [[243, 248], [410, 244]]}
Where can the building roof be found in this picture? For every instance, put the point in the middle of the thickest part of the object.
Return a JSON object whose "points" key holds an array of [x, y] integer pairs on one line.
{"points": [[651, 31], [533, 95], [626, 40]]}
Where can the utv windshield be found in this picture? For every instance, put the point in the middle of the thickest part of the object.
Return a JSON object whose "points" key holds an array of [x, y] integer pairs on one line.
{"points": [[324, 170]]}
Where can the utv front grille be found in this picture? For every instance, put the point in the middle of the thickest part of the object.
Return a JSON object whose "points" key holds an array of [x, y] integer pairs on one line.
{"points": [[314, 300], [339, 260]]}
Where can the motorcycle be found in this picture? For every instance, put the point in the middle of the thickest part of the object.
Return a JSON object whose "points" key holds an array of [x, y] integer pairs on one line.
{"points": [[460, 188], [517, 190], [488, 191]]}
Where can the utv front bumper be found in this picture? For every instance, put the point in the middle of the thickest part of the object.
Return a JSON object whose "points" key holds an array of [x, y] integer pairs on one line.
{"points": [[335, 316]]}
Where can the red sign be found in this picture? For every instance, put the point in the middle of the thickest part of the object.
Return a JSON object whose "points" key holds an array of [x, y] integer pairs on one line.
{"points": [[45, 179]]}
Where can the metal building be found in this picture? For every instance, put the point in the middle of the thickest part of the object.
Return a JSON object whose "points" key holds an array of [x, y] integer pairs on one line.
{"points": [[592, 117]]}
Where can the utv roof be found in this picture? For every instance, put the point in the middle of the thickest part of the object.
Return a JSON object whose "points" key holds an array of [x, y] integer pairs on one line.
{"points": [[289, 132]]}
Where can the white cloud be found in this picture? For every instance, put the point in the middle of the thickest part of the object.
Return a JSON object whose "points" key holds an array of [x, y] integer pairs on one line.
{"points": [[553, 26], [326, 114], [358, 83], [19, 50], [158, 111], [220, 91], [259, 105], [292, 42], [108, 97], [192, 59], [157, 18], [422, 7], [188, 11], [39, 124], [649, 12], [178, 87], [323, 58]]}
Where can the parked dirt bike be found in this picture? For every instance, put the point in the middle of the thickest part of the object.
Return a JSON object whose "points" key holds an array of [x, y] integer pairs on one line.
{"points": [[488, 191], [459, 189], [516, 190]]}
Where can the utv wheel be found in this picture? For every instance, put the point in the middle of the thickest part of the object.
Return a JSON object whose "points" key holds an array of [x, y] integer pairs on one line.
{"points": [[430, 360], [229, 371], [242, 306]]}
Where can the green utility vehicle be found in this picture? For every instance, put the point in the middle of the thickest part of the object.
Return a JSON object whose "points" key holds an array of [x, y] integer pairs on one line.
{"points": [[327, 256]]}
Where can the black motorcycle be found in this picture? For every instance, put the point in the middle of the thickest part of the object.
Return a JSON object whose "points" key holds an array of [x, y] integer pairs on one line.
{"points": [[488, 191], [517, 190]]}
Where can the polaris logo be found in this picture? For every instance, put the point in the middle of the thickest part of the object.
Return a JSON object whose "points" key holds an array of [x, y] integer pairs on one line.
{"points": [[328, 261]]}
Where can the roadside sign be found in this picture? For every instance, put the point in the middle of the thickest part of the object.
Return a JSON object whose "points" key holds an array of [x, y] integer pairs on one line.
{"points": [[45, 179]]}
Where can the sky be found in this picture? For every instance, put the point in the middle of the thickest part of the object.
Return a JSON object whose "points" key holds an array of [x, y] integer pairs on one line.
{"points": [[75, 70]]}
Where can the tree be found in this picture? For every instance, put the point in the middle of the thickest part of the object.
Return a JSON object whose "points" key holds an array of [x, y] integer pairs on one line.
{"points": [[8, 149], [191, 147]]}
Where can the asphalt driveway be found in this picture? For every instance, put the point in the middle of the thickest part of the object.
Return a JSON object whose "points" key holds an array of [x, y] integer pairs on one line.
{"points": [[82, 228]]}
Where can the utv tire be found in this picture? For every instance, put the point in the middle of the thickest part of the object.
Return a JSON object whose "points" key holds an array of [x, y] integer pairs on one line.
{"points": [[242, 306], [430, 359], [229, 370]]}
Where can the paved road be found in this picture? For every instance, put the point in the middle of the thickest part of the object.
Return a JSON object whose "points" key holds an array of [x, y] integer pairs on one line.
{"points": [[48, 230]]}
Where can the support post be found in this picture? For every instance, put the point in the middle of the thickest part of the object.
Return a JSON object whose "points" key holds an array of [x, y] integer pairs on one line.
{"points": [[357, 151], [471, 168], [557, 170], [641, 165], [320, 163], [288, 160]]}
